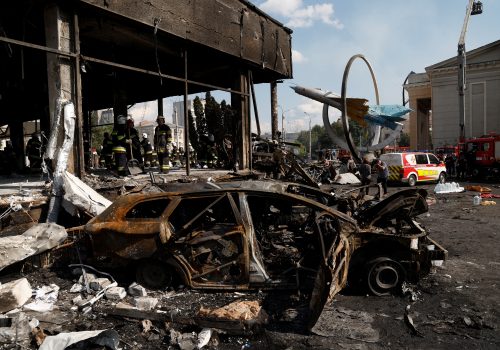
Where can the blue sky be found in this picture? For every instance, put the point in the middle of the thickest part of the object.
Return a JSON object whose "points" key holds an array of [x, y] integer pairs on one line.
{"points": [[395, 36]]}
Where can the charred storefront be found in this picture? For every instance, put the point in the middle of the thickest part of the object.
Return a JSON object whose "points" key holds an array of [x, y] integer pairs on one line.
{"points": [[111, 54]]}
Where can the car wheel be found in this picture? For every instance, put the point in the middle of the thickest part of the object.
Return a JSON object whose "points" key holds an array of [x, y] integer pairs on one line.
{"points": [[442, 178], [412, 180], [384, 276], [153, 274]]}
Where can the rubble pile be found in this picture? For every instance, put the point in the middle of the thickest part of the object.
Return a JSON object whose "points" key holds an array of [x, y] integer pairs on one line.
{"points": [[235, 260]]}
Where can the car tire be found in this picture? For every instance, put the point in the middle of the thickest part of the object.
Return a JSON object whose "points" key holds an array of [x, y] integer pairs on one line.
{"points": [[442, 178], [412, 180], [154, 274], [384, 276]]}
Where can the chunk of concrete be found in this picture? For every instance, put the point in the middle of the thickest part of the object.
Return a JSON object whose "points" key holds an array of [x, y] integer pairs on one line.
{"points": [[90, 277], [14, 294], [79, 195], [76, 288], [145, 303], [99, 284], [136, 290], [35, 240], [115, 293]]}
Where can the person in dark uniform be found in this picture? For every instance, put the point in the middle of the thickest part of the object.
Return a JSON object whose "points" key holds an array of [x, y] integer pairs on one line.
{"points": [[148, 150], [163, 143], [133, 139], [120, 146], [365, 171], [34, 152], [107, 151], [382, 174]]}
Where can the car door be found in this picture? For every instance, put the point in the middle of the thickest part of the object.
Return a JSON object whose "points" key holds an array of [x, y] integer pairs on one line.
{"points": [[330, 278], [422, 167], [208, 241], [435, 167]]}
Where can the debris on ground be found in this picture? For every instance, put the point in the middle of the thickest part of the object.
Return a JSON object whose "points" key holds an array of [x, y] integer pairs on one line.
{"points": [[248, 311], [478, 188], [14, 294], [79, 196], [108, 338], [448, 187], [197, 319]]}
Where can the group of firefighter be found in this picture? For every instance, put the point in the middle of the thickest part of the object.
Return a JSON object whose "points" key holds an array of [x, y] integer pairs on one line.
{"points": [[461, 167], [124, 145]]}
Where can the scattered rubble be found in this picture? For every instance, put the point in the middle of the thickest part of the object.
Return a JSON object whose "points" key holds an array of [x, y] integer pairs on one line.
{"points": [[371, 215]]}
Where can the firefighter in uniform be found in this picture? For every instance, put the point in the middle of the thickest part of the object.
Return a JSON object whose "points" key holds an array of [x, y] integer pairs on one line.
{"points": [[163, 143], [120, 146], [34, 152], [133, 139], [148, 150], [107, 151]]}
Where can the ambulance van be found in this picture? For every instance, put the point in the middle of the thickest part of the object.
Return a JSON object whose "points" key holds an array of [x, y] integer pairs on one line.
{"points": [[413, 167]]}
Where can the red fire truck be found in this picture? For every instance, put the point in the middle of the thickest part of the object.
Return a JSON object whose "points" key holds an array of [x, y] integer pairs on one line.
{"points": [[483, 154]]}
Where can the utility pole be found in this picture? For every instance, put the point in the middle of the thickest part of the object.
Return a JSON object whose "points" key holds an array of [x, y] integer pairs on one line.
{"points": [[473, 8]]}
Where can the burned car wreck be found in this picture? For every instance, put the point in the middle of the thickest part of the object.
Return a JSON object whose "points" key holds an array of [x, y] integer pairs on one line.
{"points": [[246, 238]]}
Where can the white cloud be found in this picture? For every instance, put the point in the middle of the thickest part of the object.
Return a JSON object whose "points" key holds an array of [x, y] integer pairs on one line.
{"points": [[281, 7], [298, 57], [299, 15], [311, 107], [297, 119]]}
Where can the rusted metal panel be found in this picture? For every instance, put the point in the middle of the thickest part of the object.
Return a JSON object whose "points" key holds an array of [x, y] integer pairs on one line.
{"points": [[231, 26], [252, 28]]}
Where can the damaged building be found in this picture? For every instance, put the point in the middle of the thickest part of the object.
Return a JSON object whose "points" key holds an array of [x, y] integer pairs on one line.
{"points": [[111, 54]]}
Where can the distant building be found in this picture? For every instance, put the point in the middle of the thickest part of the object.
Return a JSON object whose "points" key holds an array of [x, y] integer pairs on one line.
{"points": [[433, 97], [148, 127], [106, 117]]}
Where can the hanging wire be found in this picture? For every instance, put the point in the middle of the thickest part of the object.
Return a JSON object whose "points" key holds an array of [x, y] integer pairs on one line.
{"points": [[156, 22]]}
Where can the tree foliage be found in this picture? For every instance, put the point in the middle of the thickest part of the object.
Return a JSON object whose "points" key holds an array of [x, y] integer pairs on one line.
{"points": [[97, 135], [199, 112], [404, 140], [214, 118]]}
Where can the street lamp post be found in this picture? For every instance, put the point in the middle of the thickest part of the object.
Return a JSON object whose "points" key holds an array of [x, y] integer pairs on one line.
{"points": [[283, 130]]}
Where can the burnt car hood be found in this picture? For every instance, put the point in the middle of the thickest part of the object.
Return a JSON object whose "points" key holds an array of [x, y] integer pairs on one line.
{"points": [[407, 203]]}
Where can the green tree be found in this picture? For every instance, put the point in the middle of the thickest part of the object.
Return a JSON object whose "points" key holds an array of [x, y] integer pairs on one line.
{"points": [[228, 117], [214, 118], [97, 135], [404, 140], [199, 112]]}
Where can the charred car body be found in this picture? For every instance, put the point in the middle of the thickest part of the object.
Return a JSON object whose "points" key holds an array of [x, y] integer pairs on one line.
{"points": [[241, 237]]}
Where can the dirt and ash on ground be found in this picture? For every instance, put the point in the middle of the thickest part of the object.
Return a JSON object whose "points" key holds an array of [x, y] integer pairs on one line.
{"points": [[456, 306]]}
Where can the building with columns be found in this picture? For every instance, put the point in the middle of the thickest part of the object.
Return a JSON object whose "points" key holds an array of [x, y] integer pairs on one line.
{"points": [[433, 97]]}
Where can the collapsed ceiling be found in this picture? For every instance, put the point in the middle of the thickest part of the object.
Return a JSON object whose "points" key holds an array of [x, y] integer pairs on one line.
{"points": [[129, 44]]}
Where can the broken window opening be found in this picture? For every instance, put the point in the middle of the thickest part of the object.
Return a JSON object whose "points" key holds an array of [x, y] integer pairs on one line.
{"points": [[288, 239], [148, 209], [202, 213]]}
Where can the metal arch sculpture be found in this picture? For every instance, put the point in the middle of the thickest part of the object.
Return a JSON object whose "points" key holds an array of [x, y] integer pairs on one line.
{"points": [[348, 143]]}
